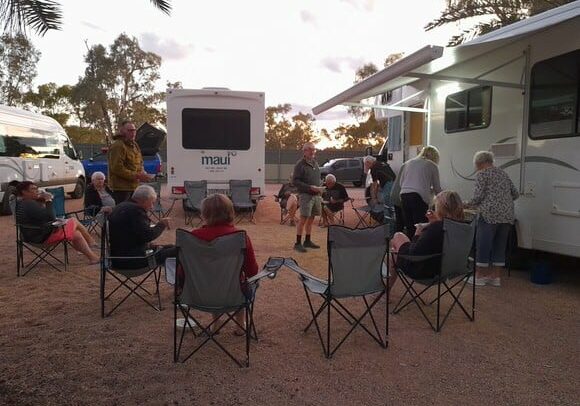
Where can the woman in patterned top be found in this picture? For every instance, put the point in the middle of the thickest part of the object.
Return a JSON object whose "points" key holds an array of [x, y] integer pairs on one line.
{"points": [[494, 196]]}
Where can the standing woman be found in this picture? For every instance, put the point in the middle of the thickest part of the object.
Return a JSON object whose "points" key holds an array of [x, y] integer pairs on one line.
{"points": [[494, 196], [419, 182]]}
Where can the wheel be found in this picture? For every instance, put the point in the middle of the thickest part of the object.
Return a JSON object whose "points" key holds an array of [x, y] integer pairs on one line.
{"points": [[79, 189], [6, 200]]}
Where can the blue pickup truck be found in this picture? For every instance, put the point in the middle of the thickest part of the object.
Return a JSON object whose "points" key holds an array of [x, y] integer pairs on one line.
{"points": [[148, 138]]}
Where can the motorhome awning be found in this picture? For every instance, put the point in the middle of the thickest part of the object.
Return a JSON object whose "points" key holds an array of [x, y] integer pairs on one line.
{"points": [[431, 62]]}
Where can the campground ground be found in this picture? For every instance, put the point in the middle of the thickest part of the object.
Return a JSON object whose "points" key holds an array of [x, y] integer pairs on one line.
{"points": [[523, 348]]}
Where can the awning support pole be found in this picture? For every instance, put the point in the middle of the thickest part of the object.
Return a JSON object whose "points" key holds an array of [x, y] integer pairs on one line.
{"points": [[447, 78], [383, 107]]}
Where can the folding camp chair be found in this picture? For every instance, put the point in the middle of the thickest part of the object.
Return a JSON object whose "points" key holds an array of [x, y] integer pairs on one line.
{"points": [[211, 284], [157, 211], [363, 215], [240, 195], [338, 216], [451, 278], [283, 210], [41, 253], [86, 216], [355, 261], [133, 280], [196, 191]]}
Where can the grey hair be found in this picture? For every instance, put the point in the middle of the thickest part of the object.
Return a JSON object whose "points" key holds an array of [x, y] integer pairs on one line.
{"points": [[369, 159], [331, 177], [483, 157], [98, 175], [143, 193]]}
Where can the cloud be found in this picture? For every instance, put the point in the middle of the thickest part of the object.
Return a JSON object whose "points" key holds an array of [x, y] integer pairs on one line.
{"points": [[167, 48], [368, 5], [308, 17], [91, 25], [338, 63], [334, 115]]}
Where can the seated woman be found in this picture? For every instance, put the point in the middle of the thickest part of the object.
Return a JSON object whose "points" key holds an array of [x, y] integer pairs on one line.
{"points": [[98, 196], [35, 209], [217, 212], [288, 200], [428, 239]]}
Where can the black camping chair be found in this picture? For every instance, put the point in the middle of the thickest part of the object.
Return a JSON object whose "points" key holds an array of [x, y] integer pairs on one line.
{"points": [[196, 191], [128, 281], [41, 253], [211, 284], [451, 277], [240, 193], [355, 261]]}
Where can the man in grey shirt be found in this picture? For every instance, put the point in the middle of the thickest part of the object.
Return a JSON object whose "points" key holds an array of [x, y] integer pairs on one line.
{"points": [[306, 178]]}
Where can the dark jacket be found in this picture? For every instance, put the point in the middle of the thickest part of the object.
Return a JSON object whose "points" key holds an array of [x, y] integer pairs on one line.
{"points": [[286, 188], [130, 233], [382, 172], [93, 199], [306, 174], [39, 216], [430, 241]]}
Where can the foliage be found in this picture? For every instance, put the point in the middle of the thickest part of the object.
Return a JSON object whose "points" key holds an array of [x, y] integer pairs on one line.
{"points": [[497, 14], [277, 125], [361, 74], [51, 100], [357, 137], [18, 59], [85, 135], [302, 131], [118, 84], [42, 15]]}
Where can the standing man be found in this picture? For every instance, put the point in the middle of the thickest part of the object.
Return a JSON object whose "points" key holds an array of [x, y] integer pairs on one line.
{"points": [[306, 178], [125, 163]]}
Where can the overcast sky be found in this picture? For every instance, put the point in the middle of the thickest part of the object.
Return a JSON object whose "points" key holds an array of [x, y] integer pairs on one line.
{"points": [[296, 51]]}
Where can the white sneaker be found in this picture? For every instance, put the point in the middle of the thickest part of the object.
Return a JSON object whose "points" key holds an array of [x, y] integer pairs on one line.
{"points": [[478, 281], [494, 282]]}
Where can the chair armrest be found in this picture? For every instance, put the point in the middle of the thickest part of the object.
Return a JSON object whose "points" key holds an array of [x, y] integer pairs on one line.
{"points": [[417, 258], [270, 269], [293, 265]]}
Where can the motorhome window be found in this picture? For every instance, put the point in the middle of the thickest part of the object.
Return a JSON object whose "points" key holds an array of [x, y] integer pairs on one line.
{"points": [[554, 97], [215, 129], [468, 110], [27, 143]]}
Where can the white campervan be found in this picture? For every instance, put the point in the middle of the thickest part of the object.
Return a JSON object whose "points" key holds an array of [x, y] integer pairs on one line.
{"points": [[215, 135], [514, 91], [36, 148]]}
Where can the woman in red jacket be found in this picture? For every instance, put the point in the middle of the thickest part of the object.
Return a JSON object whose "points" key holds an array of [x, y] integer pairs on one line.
{"points": [[217, 212]]}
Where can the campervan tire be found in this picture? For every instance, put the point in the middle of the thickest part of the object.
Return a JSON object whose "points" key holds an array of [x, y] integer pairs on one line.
{"points": [[6, 200], [79, 189]]}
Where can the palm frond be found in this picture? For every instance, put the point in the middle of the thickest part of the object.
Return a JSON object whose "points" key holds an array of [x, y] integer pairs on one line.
{"points": [[163, 5], [39, 15]]}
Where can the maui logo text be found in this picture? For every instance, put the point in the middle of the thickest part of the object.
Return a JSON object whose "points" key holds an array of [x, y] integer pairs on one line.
{"points": [[218, 160]]}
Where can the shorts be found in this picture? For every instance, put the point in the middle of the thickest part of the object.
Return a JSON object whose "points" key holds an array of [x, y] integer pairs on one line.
{"points": [[491, 243], [310, 205], [62, 233]]}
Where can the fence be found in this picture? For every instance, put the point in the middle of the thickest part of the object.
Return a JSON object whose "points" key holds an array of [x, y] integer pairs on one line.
{"points": [[279, 164]]}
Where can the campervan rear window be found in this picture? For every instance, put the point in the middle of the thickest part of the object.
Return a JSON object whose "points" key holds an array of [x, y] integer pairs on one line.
{"points": [[468, 110], [215, 129], [554, 97]]}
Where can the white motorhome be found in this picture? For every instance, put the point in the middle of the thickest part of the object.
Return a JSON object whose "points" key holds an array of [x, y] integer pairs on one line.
{"points": [[515, 92], [215, 134], [36, 148]]}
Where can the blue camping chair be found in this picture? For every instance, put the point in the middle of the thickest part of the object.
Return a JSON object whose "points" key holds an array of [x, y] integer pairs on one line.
{"points": [[85, 216]]}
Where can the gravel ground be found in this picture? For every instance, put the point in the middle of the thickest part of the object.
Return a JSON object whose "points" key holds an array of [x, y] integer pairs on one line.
{"points": [[523, 348]]}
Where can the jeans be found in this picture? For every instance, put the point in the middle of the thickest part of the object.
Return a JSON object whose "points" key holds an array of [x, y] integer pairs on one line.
{"points": [[491, 243]]}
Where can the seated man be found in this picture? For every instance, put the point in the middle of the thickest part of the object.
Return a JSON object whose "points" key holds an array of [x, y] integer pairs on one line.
{"points": [[289, 201], [334, 197], [131, 231]]}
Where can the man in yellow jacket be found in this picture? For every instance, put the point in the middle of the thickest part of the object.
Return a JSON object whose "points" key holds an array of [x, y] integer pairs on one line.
{"points": [[125, 163]]}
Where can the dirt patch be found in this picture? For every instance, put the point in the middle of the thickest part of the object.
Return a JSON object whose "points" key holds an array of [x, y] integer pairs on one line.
{"points": [[523, 347]]}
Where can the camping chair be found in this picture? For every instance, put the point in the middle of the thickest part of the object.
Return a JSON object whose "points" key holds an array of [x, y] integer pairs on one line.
{"points": [[240, 195], [451, 278], [41, 253], [363, 215], [283, 211], [87, 216], [157, 211], [196, 191], [355, 261], [211, 284], [338, 216], [133, 280]]}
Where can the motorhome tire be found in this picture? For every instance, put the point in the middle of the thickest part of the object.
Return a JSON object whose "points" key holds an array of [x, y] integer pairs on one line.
{"points": [[79, 190], [6, 200]]}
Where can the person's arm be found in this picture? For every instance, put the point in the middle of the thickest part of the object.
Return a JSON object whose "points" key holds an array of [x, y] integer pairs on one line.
{"points": [[117, 156], [250, 264], [396, 189], [297, 176], [38, 214], [141, 225], [342, 195], [514, 191], [478, 191], [435, 182], [430, 241]]}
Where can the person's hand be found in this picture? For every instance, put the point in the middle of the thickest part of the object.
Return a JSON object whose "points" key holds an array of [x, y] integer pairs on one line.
{"points": [[165, 222], [144, 177], [287, 194], [332, 200], [316, 189], [431, 217], [47, 197]]}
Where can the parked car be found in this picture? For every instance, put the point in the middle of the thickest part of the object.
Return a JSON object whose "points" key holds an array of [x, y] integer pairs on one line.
{"points": [[345, 170], [148, 138]]}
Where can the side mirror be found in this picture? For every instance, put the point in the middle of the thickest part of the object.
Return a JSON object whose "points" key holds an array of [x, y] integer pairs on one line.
{"points": [[80, 155]]}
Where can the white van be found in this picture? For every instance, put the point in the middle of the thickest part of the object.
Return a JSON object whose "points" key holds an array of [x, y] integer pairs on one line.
{"points": [[215, 135], [36, 148]]}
